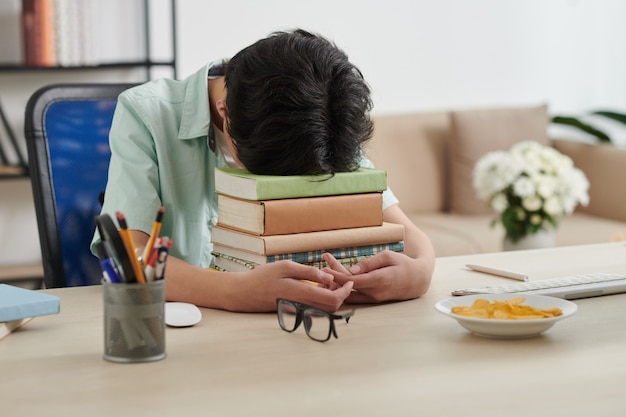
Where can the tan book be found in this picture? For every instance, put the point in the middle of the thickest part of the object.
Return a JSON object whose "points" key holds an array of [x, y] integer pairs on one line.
{"points": [[7, 327], [311, 241], [300, 215]]}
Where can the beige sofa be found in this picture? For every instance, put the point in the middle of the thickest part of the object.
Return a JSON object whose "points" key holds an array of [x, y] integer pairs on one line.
{"points": [[429, 158]]}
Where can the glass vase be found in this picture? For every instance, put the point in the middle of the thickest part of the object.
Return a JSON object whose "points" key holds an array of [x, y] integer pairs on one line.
{"points": [[543, 238]]}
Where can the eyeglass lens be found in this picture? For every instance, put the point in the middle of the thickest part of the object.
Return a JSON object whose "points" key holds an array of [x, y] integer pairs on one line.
{"points": [[316, 323], [287, 315]]}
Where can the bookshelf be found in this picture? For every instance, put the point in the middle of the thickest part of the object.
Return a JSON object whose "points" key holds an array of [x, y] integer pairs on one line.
{"points": [[19, 167], [13, 162], [18, 81]]}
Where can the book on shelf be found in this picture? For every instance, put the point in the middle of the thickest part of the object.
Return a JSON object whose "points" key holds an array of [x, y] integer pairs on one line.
{"points": [[18, 303], [310, 241], [300, 215], [71, 28], [305, 257], [70, 33], [237, 182], [38, 32]]}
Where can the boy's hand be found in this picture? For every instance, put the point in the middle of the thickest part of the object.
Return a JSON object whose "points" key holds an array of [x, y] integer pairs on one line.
{"points": [[385, 276]]}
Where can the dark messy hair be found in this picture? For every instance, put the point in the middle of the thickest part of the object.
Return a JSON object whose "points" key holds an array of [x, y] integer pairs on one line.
{"points": [[297, 106]]}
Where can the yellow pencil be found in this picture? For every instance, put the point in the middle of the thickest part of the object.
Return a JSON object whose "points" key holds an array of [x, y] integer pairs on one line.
{"points": [[154, 234], [130, 247]]}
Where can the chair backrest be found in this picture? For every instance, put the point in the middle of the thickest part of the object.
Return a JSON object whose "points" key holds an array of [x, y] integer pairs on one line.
{"points": [[67, 137]]}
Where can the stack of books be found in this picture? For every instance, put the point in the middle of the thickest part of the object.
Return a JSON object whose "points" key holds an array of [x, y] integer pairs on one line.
{"points": [[266, 218]]}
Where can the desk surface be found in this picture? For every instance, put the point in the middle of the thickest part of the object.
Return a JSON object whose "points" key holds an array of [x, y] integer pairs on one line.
{"points": [[391, 360]]}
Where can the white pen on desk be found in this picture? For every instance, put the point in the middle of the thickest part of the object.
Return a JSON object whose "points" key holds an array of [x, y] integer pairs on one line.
{"points": [[498, 272]]}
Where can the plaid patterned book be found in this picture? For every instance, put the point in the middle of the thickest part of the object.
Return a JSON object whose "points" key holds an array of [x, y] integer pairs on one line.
{"points": [[238, 260]]}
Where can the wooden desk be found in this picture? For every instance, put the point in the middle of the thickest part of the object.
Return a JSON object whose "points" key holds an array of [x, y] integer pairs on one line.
{"points": [[399, 359]]}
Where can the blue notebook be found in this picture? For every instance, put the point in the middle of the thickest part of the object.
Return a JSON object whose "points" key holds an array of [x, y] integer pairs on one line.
{"points": [[18, 303]]}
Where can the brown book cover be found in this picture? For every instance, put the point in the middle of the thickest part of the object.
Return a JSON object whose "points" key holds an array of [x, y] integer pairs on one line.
{"points": [[31, 34], [300, 215], [311, 241], [38, 32], [48, 33]]}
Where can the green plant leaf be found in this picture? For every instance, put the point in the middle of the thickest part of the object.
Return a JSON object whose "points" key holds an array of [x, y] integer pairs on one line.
{"points": [[572, 121], [620, 117]]}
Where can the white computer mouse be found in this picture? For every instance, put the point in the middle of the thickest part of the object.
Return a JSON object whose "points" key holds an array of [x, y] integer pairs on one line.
{"points": [[181, 314]]}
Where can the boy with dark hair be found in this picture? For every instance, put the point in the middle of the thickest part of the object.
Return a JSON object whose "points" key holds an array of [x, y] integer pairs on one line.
{"points": [[320, 119], [291, 103]]}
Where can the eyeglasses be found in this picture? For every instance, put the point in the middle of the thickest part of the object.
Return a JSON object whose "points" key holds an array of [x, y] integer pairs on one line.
{"points": [[318, 324]]}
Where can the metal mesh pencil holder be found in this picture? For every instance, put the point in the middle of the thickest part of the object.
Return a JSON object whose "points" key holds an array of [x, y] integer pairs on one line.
{"points": [[134, 321]]}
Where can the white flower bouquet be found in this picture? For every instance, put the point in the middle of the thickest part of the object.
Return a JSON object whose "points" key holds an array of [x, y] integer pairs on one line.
{"points": [[529, 186]]}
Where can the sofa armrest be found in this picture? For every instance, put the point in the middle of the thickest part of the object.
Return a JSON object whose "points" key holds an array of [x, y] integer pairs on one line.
{"points": [[605, 168]]}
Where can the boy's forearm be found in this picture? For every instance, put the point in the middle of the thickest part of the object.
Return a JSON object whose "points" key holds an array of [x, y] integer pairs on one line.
{"points": [[416, 242], [189, 283], [192, 284]]}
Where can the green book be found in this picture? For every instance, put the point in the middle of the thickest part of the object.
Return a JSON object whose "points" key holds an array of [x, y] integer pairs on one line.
{"points": [[237, 182]]}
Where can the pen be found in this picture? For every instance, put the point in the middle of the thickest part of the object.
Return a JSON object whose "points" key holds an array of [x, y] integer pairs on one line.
{"points": [[109, 273], [130, 247], [150, 264], [159, 268], [154, 234], [498, 272]]}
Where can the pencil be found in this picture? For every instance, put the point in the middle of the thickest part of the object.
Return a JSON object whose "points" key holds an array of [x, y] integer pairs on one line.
{"points": [[498, 272], [154, 234], [130, 247]]}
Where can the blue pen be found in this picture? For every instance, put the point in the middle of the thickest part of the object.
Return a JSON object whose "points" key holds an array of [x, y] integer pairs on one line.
{"points": [[109, 272]]}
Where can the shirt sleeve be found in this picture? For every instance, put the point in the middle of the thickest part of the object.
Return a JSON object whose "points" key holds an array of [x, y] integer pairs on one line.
{"points": [[389, 198], [133, 184]]}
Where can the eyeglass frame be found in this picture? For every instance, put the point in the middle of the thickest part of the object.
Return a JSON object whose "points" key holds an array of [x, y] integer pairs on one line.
{"points": [[301, 308]]}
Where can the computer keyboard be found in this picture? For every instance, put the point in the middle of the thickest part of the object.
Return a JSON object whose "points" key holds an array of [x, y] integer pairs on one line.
{"points": [[568, 287]]}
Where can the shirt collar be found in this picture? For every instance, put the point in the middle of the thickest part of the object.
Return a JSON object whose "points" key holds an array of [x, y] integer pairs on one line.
{"points": [[196, 117]]}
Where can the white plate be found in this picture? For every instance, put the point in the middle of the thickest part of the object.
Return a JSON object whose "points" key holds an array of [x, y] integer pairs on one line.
{"points": [[507, 329]]}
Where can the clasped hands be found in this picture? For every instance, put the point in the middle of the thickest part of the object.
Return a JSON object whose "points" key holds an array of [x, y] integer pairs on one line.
{"points": [[386, 276]]}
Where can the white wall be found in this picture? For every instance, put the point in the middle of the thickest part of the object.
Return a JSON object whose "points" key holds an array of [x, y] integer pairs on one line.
{"points": [[415, 54], [438, 54]]}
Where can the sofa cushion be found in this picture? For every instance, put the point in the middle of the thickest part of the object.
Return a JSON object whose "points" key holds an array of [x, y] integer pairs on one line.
{"points": [[456, 234], [411, 148], [477, 132], [605, 168], [583, 229]]}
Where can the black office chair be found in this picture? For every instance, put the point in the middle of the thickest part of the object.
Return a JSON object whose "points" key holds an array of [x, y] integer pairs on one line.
{"points": [[67, 137]]}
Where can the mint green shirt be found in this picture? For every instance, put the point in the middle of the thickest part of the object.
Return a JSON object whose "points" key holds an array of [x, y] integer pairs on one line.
{"points": [[160, 156]]}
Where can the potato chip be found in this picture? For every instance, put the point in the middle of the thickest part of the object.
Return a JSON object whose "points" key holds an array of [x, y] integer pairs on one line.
{"points": [[511, 309]]}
